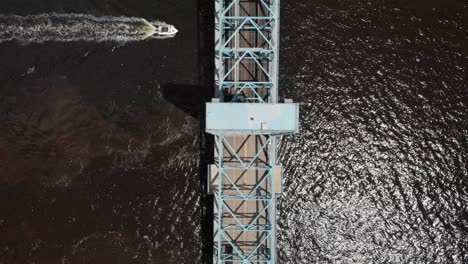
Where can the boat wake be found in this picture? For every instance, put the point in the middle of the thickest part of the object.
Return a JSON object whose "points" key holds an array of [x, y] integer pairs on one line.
{"points": [[76, 27]]}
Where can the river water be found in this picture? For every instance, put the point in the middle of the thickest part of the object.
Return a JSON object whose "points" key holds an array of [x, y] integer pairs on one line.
{"points": [[379, 173], [102, 157]]}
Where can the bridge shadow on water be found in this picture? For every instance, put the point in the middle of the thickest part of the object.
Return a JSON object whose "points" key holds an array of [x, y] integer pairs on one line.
{"points": [[191, 99], [206, 80], [188, 98]]}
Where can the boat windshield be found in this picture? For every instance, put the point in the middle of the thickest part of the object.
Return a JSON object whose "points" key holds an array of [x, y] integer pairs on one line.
{"points": [[164, 29]]}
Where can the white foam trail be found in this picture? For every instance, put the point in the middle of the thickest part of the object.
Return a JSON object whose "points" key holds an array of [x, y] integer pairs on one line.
{"points": [[75, 27]]}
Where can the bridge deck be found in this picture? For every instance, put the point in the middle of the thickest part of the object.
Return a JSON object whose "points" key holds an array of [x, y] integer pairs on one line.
{"points": [[245, 196], [245, 177]]}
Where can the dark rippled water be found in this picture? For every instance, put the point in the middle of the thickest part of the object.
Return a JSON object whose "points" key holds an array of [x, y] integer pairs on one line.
{"points": [[379, 173], [100, 144]]}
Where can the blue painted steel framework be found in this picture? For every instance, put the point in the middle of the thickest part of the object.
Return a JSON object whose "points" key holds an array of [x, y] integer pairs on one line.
{"points": [[247, 42], [247, 35]]}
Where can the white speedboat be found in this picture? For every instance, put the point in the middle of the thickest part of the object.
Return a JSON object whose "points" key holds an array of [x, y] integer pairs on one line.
{"points": [[166, 30]]}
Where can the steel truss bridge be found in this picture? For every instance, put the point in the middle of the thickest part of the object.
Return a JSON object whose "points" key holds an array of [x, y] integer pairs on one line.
{"points": [[246, 119]]}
